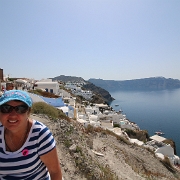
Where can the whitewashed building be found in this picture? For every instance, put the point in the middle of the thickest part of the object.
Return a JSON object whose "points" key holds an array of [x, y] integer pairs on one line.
{"points": [[49, 86], [92, 110], [168, 151]]}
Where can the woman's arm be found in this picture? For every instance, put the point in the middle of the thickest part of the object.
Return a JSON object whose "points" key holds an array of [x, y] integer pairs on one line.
{"points": [[53, 165]]}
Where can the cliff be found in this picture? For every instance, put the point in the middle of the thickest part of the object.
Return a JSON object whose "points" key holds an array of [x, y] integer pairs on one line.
{"points": [[99, 92], [153, 83], [101, 95]]}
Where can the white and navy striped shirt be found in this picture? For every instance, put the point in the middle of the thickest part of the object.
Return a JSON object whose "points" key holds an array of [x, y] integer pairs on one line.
{"points": [[25, 163]]}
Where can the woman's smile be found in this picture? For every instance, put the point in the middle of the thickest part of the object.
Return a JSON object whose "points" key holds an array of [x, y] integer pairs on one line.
{"points": [[12, 121]]}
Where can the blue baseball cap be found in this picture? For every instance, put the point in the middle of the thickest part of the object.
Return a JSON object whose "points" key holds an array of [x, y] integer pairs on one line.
{"points": [[16, 95]]}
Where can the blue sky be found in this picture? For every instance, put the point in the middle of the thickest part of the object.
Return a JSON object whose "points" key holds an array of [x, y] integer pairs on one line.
{"points": [[107, 39]]}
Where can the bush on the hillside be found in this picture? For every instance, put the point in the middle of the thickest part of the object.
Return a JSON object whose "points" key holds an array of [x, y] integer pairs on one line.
{"points": [[116, 125], [50, 111], [130, 132], [141, 135], [43, 93], [89, 129]]}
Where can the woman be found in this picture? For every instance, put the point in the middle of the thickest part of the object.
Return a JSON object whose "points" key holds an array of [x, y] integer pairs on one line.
{"points": [[27, 147]]}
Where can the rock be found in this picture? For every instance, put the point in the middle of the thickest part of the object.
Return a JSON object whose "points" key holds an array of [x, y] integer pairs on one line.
{"points": [[73, 148]]}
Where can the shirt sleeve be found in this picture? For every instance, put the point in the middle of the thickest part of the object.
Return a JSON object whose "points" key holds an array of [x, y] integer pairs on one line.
{"points": [[46, 141]]}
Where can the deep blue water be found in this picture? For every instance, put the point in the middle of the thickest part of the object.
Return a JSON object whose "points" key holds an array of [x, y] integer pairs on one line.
{"points": [[152, 111]]}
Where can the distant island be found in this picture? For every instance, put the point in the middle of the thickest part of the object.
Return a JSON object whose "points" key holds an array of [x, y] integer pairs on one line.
{"points": [[152, 83]]}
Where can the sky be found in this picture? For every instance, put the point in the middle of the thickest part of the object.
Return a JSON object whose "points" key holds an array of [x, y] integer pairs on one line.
{"points": [[106, 39]]}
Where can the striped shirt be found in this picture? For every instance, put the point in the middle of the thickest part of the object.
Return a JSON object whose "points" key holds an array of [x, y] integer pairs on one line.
{"points": [[25, 163]]}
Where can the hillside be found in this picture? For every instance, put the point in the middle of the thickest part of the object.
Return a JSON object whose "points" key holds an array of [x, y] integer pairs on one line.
{"points": [[68, 78], [99, 91], [101, 95], [118, 159], [153, 83]]}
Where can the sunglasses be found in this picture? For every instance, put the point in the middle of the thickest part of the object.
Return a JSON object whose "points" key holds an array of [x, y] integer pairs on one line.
{"points": [[6, 108]]}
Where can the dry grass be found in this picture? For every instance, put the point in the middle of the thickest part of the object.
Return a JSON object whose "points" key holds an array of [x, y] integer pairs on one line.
{"points": [[90, 130], [166, 162], [43, 93], [50, 111]]}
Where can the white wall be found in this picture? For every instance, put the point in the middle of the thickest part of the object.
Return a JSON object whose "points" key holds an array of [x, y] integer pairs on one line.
{"points": [[48, 85], [166, 150], [92, 110], [64, 93], [93, 118]]}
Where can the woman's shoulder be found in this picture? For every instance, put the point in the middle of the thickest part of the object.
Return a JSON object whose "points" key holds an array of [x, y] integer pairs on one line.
{"points": [[38, 126], [38, 123]]}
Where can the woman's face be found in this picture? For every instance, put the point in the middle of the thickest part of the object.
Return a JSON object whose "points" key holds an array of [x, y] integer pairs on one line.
{"points": [[13, 120]]}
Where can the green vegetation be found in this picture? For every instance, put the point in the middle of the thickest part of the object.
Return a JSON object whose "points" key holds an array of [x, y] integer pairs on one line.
{"points": [[79, 150], [50, 111], [141, 135], [67, 143], [10, 79], [116, 125], [80, 99], [70, 131], [89, 129], [130, 132], [43, 93]]}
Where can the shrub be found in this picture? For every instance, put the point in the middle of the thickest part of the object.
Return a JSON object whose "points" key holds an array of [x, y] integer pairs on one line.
{"points": [[89, 129], [50, 111], [98, 129], [130, 132], [116, 125], [43, 93], [79, 150], [67, 143]]}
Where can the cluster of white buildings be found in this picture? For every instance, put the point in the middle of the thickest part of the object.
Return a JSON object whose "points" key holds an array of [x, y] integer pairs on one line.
{"points": [[76, 89], [53, 87], [108, 118], [102, 114]]}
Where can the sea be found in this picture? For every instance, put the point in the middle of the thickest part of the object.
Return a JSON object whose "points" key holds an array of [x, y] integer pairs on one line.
{"points": [[152, 111]]}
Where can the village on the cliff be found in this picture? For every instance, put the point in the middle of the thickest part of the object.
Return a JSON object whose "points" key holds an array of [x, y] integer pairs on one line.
{"points": [[97, 115]]}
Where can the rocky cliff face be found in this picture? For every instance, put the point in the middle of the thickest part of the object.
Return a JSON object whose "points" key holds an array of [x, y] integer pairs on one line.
{"points": [[95, 154], [100, 93]]}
